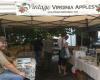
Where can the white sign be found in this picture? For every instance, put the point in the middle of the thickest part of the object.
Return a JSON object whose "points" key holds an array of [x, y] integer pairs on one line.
{"points": [[57, 7]]}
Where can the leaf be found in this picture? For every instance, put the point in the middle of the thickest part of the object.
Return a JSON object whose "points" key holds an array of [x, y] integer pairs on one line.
{"points": [[24, 4]]}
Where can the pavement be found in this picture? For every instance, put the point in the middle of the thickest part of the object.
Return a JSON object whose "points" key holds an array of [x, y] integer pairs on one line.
{"points": [[49, 71]]}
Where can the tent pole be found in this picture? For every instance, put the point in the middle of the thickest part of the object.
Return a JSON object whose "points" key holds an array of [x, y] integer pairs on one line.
{"points": [[31, 20], [4, 30], [87, 25], [81, 39]]}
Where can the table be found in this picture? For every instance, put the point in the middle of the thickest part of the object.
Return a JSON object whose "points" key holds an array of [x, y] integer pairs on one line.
{"points": [[88, 67], [28, 65]]}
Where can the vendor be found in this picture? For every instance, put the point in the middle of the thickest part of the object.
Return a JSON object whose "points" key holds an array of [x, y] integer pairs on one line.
{"points": [[10, 71]]}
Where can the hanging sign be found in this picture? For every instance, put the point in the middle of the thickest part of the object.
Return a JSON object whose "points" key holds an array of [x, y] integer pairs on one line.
{"points": [[57, 7]]}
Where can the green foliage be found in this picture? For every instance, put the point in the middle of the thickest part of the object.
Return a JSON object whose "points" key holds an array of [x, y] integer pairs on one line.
{"points": [[36, 32], [44, 32]]}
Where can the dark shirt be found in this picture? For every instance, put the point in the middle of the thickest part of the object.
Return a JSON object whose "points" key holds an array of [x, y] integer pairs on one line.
{"points": [[37, 44]]}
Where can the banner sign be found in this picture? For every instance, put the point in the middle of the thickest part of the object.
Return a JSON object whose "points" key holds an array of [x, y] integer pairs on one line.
{"points": [[57, 7]]}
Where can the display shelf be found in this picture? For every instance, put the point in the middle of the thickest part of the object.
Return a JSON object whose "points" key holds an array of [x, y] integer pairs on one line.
{"points": [[55, 46], [55, 56]]}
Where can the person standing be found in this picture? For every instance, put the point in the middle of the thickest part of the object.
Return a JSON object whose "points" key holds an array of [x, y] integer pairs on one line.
{"points": [[38, 49], [48, 49], [62, 60], [10, 71]]}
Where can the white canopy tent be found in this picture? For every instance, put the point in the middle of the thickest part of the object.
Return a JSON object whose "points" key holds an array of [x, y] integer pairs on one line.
{"points": [[49, 21], [8, 17]]}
